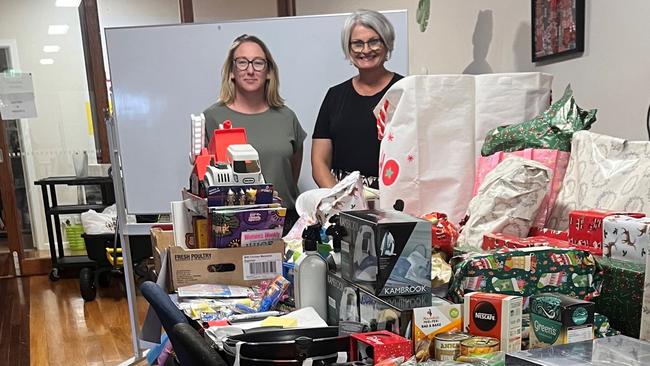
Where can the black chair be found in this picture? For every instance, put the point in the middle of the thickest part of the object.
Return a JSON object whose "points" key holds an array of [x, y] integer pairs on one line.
{"points": [[169, 316], [197, 346]]}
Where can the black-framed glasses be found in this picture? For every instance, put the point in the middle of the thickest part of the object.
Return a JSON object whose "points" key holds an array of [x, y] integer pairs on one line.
{"points": [[373, 44], [241, 63]]}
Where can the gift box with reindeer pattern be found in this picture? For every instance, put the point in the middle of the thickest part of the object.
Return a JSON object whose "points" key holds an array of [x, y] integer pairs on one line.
{"points": [[626, 238], [586, 228]]}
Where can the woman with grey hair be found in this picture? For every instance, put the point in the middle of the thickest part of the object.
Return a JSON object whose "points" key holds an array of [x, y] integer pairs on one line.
{"points": [[345, 135]]}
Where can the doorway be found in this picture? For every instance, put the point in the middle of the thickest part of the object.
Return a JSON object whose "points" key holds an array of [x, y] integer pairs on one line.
{"points": [[16, 237]]}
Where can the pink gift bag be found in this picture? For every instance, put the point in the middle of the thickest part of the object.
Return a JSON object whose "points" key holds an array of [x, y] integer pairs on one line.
{"points": [[555, 160]]}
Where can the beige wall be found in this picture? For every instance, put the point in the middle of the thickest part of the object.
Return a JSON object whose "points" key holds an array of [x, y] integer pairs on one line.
{"points": [[613, 74], [213, 10]]}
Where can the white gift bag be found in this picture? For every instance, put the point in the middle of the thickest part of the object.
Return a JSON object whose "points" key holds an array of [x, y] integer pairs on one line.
{"points": [[432, 128]]}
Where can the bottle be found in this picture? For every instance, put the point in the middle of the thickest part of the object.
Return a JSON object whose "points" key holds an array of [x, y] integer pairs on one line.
{"points": [[337, 232], [310, 273]]}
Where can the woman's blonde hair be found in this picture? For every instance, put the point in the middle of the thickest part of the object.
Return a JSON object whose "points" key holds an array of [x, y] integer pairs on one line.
{"points": [[272, 86]]}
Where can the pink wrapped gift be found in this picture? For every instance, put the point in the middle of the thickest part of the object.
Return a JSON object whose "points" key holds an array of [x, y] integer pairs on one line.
{"points": [[555, 160]]}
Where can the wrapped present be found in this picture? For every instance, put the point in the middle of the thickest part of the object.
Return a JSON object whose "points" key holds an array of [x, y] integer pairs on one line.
{"points": [[444, 233], [586, 227], [552, 129], [493, 241], [555, 160], [626, 238], [507, 201], [621, 296], [524, 272], [549, 233], [602, 328]]}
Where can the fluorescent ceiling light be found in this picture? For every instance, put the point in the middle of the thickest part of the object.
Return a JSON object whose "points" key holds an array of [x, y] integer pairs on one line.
{"points": [[51, 49], [47, 61], [58, 29], [68, 3]]}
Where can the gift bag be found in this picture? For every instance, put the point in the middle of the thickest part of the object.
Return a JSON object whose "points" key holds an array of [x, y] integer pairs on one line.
{"points": [[507, 201], [555, 160], [429, 126], [604, 172]]}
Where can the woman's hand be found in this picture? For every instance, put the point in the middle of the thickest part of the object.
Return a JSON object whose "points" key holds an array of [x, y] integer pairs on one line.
{"points": [[321, 163]]}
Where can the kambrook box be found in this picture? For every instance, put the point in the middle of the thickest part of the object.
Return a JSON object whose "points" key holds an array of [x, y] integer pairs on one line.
{"points": [[559, 319], [494, 315], [342, 300], [386, 252], [390, 313]]}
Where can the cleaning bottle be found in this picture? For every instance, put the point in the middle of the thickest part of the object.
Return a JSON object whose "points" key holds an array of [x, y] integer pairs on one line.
{"points": [[337, 232], [310, 273]]}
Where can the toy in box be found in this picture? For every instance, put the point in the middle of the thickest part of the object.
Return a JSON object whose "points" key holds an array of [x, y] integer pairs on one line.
{"points": [[386, 252], [230, 228]]}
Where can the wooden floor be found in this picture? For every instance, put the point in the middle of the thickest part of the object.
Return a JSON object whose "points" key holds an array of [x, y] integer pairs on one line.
{"points": [[47, 323], [14, 322]]}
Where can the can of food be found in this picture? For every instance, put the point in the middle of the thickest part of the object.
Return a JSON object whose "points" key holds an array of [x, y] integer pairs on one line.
{"points": [[447, 345], [479, 346]]}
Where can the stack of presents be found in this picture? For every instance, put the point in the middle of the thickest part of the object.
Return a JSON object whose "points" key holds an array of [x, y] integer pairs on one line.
{"points": [[546, 245]]}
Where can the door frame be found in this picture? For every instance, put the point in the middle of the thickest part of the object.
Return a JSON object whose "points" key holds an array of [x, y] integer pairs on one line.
{"points": [[27, 266]]}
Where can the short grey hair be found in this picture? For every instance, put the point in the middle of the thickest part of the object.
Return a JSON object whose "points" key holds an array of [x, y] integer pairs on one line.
{"points": [[370, 19]]}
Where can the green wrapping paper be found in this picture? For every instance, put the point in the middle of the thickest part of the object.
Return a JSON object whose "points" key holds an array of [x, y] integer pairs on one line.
{"points": [[622, 295], [552, 129], [602, 327], [525, 272]]}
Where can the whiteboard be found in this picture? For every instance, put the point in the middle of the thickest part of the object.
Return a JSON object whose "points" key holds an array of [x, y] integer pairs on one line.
{"points": [[162, 74]]}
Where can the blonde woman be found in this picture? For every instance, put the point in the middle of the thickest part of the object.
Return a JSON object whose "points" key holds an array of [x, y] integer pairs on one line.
{"points": [[250, 99]]}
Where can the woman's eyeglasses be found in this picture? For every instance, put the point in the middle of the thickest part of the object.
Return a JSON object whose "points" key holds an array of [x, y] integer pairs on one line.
{"points": [[241, 63], [373, 44]]}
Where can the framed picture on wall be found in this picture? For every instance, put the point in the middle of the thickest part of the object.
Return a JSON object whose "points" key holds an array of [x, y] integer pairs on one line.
{"points": [[558, 28]]}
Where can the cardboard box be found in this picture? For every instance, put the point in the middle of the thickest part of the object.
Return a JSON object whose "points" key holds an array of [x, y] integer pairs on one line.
{"points": [[626, 238], [559, 319], [494, 315], [493, 241], [160, 241], [442, 316], [386, 252], [379, 346], [342, 299], [231, 228], [244, 266], [390, 313], [586, 228]]}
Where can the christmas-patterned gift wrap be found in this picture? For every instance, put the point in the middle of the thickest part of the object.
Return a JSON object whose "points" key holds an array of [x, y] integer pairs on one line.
{"points": [[552, 129], [524, 272], [602, 327], [621, 295], [493, 241], [549, 233], [586, 228], [626, 238]]}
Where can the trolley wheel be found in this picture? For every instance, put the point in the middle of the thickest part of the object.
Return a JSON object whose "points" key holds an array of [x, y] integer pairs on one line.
{"points": [[104, 279], [54, 275], [87, 284]]}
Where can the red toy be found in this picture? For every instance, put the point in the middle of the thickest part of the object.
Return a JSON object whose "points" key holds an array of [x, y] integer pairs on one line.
{"points": [[379, 346]]}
